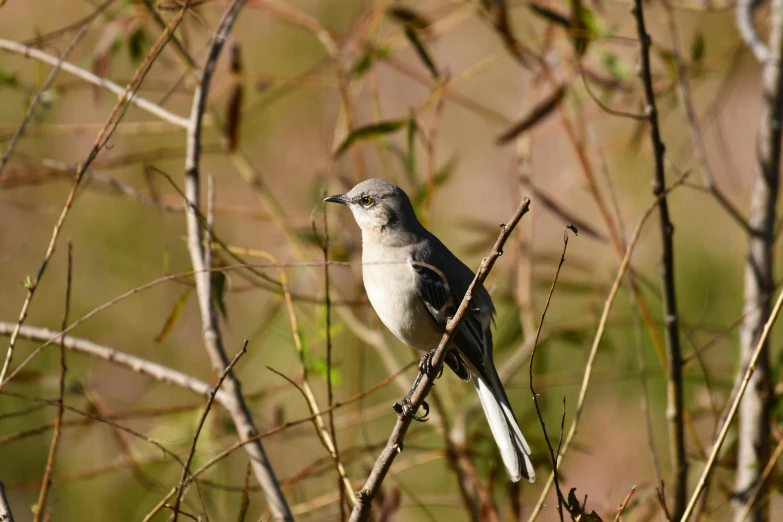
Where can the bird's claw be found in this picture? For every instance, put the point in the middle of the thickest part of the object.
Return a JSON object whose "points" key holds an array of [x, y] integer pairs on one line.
{"points": [[408, 410], [425, 365]]}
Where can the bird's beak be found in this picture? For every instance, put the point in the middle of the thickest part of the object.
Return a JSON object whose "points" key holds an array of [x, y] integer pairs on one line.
{"points": [[337, 198]]}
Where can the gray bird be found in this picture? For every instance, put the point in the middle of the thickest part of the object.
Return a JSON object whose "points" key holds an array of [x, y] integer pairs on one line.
{"points": [[415, 284]]}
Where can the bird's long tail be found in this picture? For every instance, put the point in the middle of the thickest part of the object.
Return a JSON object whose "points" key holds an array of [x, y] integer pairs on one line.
{"points": [[512, 445]]}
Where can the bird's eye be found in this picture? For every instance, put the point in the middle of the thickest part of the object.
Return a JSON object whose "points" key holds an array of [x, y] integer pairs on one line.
{"points": [[367, 201]]}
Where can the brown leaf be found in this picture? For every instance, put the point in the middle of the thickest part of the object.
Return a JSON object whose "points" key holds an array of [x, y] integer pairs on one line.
{"points": [[541, 111]]}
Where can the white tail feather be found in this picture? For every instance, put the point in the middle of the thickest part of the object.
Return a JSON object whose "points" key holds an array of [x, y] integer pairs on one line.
{"points": [[514, 450]]}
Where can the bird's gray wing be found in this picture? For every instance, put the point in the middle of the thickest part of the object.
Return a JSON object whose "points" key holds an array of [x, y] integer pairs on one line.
{"points": [[442, 297]]}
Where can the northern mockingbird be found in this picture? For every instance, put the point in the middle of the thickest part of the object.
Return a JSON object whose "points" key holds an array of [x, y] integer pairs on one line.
{"points": [[415, 284]]}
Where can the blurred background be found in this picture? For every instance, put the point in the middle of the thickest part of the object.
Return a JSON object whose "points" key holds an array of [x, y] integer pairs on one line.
{"points": [[445, 84]]}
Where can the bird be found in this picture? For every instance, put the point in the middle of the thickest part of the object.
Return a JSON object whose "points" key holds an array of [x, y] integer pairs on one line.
{"points": [[415, 284]]}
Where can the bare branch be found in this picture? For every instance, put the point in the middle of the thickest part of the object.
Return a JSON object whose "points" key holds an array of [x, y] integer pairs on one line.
{"points": [[674, 413], [142, 103], [533, 391], [47, 478], [111, 123], [753, 443], [34, 104], [748, 374], [594, 349], [141, 366], [200, 425], [213, 342]]}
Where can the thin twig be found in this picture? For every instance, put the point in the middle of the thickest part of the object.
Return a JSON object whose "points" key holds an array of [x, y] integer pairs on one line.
{"points": [[44, 87], [532, 389], [674, 414], [329, 388], [749, 371], [594, 349], [693, 121], [773, 459], [142, 103], [624, 504], [200, 425], [395, 443], [242, 443], [47, 478], [111, 123]]}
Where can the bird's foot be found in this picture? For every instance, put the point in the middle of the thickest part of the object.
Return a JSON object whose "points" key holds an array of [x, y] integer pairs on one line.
{"points": [[407, 409], [425, 365]]}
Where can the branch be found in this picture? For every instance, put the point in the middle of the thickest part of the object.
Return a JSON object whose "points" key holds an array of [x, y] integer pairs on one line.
{"points": [[394, 445], [44, 87], [108, 128], [200, 425], [138, 101], [141, 366], [533, 391], [213, 342], [47, 478], [674, 412], [748, 32], [753, 441], [594, 349], [733, 411]]}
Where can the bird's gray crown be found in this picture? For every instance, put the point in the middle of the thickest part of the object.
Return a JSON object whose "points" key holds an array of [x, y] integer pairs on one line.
{"points": [[381, 209]]}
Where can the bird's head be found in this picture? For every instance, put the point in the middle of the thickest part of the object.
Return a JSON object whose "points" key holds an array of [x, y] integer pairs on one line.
{"points": [[379, 206]]}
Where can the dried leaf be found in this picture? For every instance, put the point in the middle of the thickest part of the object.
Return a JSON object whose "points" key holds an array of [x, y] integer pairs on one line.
{"points": [[368, 132], [409, 17], [233, 116], [503, 26], [561, 212], [551, 15], [174, 315], [541, 111], [421, 51]]}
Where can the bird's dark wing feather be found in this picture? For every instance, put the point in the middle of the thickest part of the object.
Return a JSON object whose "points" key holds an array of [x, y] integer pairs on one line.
{"points": [[442, 297]]}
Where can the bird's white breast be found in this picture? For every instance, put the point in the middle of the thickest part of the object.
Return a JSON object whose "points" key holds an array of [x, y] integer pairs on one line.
{"points": [[391, 288]]}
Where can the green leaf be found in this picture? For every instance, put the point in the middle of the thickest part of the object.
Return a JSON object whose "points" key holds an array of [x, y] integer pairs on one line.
{"points": [[584, 26], [318, 367], [615, 67], [174, 315], [421, 50], [368, 132], [219, 291], [137, 45], [367, 60], [668, 60], [7, 78]]}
